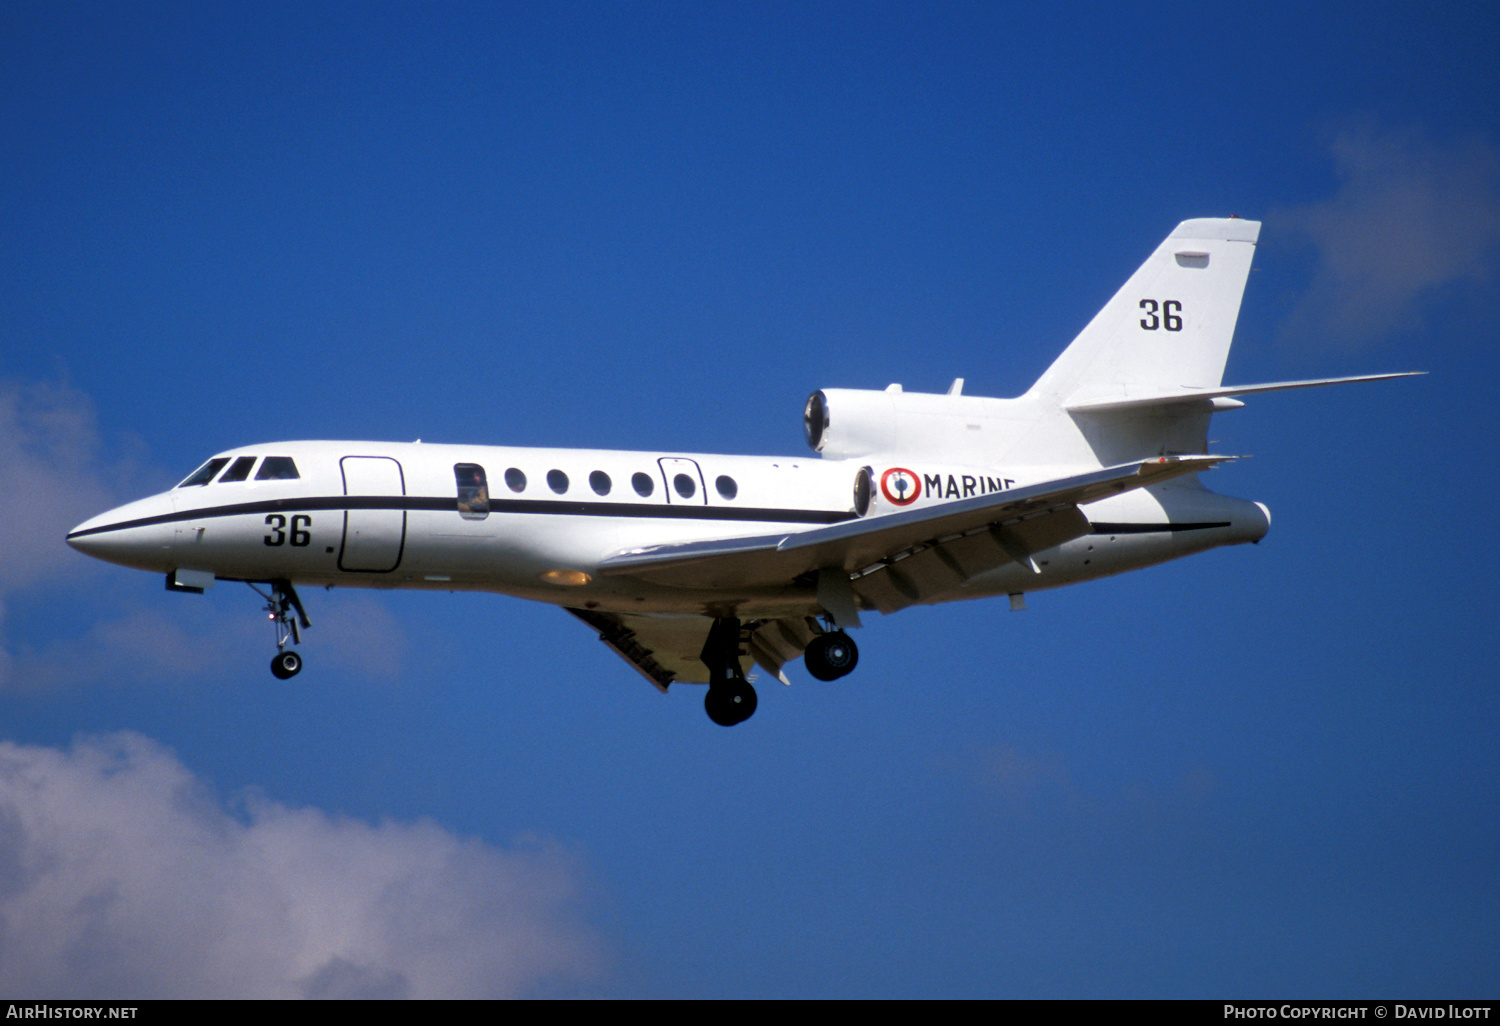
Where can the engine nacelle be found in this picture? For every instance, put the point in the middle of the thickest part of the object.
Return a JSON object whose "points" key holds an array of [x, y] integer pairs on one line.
{"points": [[847, 423]]}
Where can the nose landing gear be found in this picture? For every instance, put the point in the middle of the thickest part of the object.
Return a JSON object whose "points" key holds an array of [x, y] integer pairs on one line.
{"points": [[285, 610], [286, 664]]}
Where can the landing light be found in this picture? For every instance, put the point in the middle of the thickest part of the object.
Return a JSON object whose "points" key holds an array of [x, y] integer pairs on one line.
{"points": [[567, 578]]}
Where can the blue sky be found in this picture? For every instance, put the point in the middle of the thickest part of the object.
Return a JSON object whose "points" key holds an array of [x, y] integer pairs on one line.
{"points": [[1267, 770]]}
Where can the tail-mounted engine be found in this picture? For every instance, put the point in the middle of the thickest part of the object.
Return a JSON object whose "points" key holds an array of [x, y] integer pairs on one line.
{"points": [[847, 423]]}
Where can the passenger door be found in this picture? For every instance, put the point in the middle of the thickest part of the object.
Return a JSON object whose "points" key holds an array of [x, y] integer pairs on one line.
{"points": [[375, 517]]}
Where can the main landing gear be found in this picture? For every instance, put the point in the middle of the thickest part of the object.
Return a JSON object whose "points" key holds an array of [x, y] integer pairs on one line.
{"points": [[730, 698], [830, 656], [285, 610]]}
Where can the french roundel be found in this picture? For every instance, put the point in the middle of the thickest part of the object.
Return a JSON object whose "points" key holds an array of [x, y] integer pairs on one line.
{"points": [[900, 486]]}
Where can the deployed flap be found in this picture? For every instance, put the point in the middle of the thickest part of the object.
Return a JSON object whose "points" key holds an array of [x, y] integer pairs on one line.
{"points": [[777, 559], [924, 572], [658, 656], [666, 649], [777, 642]]}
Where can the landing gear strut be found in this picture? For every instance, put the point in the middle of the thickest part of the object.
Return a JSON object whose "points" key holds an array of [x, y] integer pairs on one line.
{"points": [[830, 656], [285, 610], [730, 698]]}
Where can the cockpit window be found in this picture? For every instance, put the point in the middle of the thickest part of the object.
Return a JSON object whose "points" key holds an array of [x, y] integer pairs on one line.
{"points": [[204, 474], [473, 491], [277, 468], [239, 470]]}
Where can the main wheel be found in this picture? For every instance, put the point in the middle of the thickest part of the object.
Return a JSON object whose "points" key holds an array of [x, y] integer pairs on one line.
{"points": [[286, 664], [831, 655], [729, 703]]}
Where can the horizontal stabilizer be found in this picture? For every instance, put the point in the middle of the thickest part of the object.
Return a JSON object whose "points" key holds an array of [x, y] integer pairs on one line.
{"points": [[1227, 392]]}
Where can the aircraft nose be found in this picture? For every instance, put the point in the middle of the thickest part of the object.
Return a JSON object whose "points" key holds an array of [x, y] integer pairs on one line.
{"points": [[92, 538], [136, 535]]}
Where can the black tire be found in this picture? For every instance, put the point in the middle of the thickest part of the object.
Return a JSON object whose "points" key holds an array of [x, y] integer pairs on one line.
{"points": [[831, 656], [286, 665], [729, 703]]}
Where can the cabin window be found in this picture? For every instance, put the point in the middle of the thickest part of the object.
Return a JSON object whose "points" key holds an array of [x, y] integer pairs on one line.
{"points": [[685, 486], [643, 484], [726, 486], [515, 479], [473, 491], [557, 481], [204, 474], [599, 481], [239, 470], [277, 468]]}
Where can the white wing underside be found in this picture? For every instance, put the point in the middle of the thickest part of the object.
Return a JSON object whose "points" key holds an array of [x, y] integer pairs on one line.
{"points": [[666, 649]]}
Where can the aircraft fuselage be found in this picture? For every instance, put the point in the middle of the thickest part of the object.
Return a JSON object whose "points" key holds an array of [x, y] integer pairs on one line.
{"points": [[687, 564], [395, 515]]}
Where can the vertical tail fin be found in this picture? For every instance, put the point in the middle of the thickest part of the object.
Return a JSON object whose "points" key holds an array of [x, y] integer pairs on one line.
{"points": [[1169, 327]]}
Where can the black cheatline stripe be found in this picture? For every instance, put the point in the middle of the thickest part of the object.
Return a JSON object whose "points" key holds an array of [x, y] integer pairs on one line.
{"points": [[1156, 528], [554, 507]]}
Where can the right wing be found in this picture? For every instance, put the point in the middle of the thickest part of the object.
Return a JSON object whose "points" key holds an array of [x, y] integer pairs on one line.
{"points": [[889, 562], [854, 545], [962, 538]]}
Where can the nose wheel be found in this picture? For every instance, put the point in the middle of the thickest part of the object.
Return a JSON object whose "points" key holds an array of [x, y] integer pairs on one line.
{"points": [[285, 610]]}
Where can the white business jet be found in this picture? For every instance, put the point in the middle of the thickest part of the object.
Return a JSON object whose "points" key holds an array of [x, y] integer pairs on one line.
{"points": [[687, 563]]}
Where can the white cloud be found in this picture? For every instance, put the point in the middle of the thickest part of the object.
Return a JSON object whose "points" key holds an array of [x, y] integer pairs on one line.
{"points": [[122, 876], [48, 479], [1410, 220]]}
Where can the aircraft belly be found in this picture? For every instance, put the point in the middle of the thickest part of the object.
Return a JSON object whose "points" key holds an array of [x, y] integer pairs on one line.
{"points": [[506, 552]]}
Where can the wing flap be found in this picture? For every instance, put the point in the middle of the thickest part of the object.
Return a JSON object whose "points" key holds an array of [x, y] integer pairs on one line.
{"points": [[657, 655], [946, 565], [666, 649], [777, 642]]}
